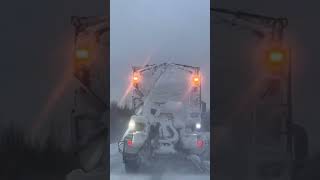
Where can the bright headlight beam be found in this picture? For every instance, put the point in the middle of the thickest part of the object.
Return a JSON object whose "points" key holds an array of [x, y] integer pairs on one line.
{"points": [[198, 125], [132, 124]]}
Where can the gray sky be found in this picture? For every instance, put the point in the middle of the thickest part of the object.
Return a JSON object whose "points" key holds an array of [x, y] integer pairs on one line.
{"points": [[158, 30]]}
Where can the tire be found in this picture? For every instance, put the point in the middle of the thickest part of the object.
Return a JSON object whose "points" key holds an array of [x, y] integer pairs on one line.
{"points": [[132, 166]]}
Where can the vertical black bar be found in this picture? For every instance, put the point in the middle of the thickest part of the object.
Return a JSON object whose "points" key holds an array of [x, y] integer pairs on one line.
{"points": [[289, 99], [212, 115], [107, 14]]}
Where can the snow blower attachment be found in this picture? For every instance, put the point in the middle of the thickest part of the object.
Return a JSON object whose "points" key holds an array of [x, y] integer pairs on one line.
{"points": [[167, 120]]}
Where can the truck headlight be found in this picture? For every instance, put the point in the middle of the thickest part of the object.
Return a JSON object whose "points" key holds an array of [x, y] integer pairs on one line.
{"points": [[198, 125], [132, 124]]}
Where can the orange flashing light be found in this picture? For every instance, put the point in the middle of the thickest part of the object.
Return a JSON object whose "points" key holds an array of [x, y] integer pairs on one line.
{"points": [[82, 53], [276, 59], [196, 80], [135, 79]]}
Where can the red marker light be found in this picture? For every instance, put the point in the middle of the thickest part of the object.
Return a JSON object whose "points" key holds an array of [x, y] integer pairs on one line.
{"points": [[129, 142], [200, 143]]}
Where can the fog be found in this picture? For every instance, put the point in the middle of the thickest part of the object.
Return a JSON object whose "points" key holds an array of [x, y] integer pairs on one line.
{"points": [[150, 32]]}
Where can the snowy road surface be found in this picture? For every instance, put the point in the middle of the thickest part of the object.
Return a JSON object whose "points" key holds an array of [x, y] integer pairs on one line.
{"points": [[160, 170]]}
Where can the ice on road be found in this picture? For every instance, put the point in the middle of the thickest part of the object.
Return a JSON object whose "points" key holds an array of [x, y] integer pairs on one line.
{"points": [[161, 170]]}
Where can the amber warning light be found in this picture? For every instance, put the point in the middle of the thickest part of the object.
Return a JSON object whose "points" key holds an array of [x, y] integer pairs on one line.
{"points": [[276, 56], [82, 54], [196, 80], [135, 78], [276, 60]]}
